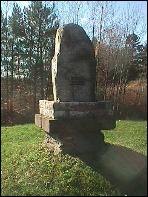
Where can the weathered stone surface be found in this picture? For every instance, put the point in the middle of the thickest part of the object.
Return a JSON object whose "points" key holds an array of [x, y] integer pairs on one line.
{"points": [[75, 106], [67, 110], [45, 124], [38, 120], [78, 124], [73, 65], [67, 138]]}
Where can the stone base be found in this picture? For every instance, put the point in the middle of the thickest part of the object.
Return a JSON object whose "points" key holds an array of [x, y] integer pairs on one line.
{"points": [[68, 110], [75, 136], [75, 143], [89, 115], [75, 127], [80, 124], [38, 120]]}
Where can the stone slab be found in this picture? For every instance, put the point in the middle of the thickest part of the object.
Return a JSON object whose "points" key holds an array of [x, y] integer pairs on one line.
{"points": [[67, 138], [68, 110], [46, 125], [38, 120], [80, 124]]}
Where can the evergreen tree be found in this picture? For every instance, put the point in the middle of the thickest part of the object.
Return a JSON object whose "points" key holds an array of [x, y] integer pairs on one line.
{"points": [[5, 55], [2, 43], [40, 24], [27, 43], [142, 61], [135, 50], [17, 31]]}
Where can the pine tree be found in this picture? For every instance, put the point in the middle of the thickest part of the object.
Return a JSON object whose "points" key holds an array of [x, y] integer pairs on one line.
{"points": [[5, 58], [142, 61], [135, 51], [27, 48], [40, 31]]}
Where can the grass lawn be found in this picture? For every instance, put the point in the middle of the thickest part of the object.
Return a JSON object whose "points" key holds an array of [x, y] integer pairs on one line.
{"points": [[130, 134], [27, 169]]}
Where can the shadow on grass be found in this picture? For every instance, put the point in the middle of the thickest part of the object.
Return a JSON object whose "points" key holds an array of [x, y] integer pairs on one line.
{"points": [[124, 168]]}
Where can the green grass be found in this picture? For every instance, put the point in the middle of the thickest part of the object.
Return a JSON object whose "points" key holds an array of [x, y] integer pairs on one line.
{"points": [[130, 134], [28, 169]]}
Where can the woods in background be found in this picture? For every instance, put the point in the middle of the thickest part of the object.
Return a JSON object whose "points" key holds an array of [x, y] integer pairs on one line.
{"points": [[27, 47]]}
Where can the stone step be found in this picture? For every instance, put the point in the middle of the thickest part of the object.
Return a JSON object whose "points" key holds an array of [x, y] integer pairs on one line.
{"points": [[79, 124], [68, 110]]}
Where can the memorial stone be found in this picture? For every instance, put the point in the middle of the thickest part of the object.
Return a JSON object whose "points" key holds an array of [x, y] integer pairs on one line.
{"points": [[73, 66], [74, 119]]}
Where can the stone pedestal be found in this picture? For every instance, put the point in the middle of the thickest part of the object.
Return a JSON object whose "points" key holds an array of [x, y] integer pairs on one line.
{"points": [[75, 125], [84, 116]]}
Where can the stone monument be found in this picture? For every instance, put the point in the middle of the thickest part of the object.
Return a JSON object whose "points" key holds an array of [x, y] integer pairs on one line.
{"points": [[73, 121]]}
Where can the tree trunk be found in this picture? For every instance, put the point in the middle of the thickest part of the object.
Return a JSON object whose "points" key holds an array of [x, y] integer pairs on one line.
{"points": [[11, 93]]}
